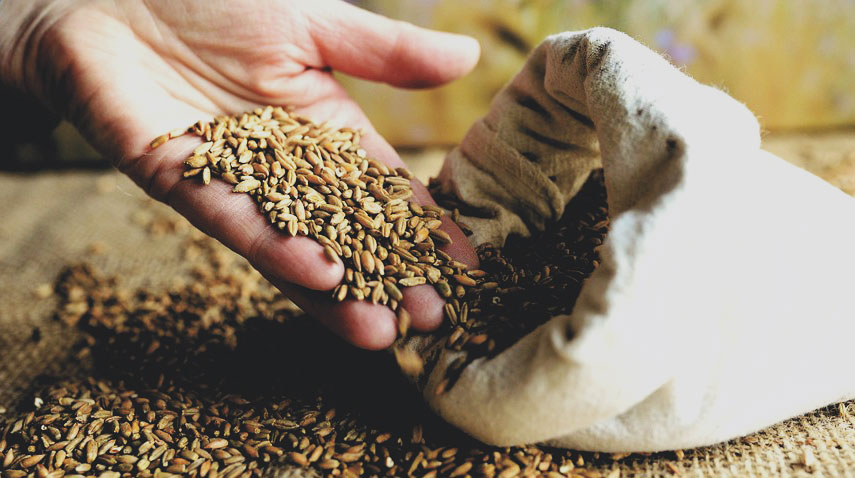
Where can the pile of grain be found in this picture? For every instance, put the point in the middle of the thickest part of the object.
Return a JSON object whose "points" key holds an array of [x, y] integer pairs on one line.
{"points": [[221, 376]]}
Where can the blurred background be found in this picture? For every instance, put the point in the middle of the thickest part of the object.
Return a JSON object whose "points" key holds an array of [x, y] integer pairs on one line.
{"points": [[791, 61]]}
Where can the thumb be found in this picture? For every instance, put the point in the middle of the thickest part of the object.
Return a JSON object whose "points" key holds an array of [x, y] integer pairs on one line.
{"points": [[373, 47]]}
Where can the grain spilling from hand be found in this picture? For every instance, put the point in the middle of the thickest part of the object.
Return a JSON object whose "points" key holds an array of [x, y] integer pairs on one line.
{"points": [[527, 281]]}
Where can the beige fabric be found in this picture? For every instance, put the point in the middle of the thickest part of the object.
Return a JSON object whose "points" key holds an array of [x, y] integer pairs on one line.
{"points": [[707, 300], [52, 219]]}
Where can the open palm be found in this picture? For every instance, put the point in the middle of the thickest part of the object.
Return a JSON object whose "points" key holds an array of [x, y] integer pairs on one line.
{"points": [[126, 71]]}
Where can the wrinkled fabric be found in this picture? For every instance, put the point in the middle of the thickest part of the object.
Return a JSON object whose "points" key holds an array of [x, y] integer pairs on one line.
{"points": [[723, 300]]}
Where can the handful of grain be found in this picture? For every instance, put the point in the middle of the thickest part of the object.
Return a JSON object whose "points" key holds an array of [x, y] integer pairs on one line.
{"points": [[314, 180]]}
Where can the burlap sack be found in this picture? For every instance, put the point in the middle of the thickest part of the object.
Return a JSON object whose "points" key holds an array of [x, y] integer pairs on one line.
{"points": [[723, 301]]}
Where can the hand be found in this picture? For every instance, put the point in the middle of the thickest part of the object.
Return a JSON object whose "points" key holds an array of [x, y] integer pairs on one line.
{"points": [[125, 72]]}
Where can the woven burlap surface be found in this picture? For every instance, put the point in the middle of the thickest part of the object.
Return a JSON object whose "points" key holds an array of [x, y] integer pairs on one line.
{"points": [[52, 219]]}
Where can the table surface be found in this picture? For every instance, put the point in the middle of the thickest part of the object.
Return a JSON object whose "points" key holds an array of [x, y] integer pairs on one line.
{"points": [[55, 218]]}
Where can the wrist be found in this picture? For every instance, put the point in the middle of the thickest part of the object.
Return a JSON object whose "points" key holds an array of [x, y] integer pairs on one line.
{"points": [[23, 74], [24, 25]]}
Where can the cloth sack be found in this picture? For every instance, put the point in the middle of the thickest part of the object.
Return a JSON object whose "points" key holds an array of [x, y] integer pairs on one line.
{"points": [[724, 298]]}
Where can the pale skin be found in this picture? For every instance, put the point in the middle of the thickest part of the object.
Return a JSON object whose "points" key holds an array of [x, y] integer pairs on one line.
{"points": [[127, 71]]}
